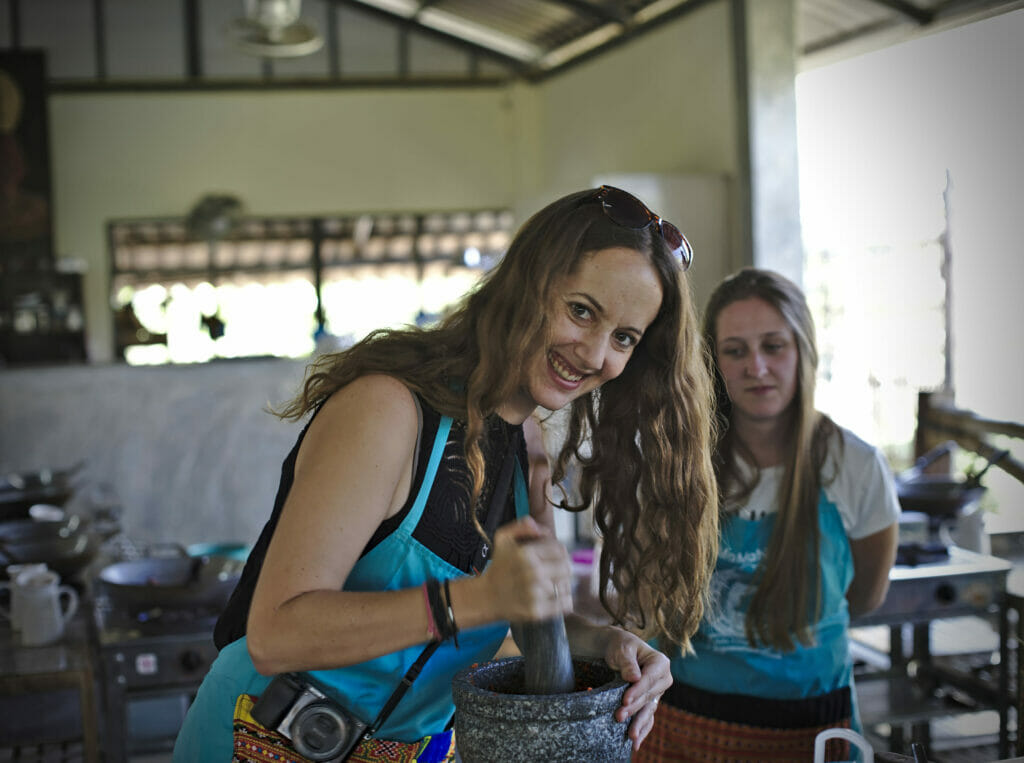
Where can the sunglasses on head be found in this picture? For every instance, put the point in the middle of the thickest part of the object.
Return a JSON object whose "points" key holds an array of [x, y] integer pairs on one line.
{"points": [[627, 210]]}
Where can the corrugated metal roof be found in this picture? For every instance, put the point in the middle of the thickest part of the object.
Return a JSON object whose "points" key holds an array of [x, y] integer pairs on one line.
{"points": [[545, 35], [121, 44]]}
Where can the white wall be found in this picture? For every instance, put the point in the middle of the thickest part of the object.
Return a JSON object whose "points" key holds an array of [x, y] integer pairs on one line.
{"points": [[118, 155], [659, 113]]}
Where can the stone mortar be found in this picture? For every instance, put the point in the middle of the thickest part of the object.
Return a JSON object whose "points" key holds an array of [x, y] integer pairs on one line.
{"points": [[495, 721]]}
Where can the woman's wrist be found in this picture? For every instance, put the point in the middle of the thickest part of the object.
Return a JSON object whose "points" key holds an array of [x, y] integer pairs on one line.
{"points": [[471, 604]]}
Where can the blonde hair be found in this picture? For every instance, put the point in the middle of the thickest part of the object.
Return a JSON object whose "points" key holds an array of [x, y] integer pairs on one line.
{"points": [[787, 599]]}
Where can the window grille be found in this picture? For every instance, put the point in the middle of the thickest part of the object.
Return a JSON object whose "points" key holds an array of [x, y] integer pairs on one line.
{"points": [[290, 286]]}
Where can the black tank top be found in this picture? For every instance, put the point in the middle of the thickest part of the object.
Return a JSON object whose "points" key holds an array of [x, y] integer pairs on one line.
{"points": [[445, 527]]}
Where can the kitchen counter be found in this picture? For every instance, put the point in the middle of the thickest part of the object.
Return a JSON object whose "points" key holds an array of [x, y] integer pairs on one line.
{"points": [[898, 687], [48, 693]]}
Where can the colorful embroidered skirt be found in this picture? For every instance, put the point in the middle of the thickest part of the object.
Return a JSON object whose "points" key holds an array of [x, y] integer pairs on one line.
{"points": [[257, 744]]}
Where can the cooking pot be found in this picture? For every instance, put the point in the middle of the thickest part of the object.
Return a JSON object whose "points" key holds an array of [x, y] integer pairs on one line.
{"points": [[65, 554], [26, 530], [171, 583], [19, 491]]}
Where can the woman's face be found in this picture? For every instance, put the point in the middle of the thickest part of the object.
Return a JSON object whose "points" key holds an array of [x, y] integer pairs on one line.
{"points": [[597, 316], [756, 352]]}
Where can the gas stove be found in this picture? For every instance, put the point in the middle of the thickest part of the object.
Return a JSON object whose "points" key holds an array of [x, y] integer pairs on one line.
{"points": [[151, 664], [961, 583]]}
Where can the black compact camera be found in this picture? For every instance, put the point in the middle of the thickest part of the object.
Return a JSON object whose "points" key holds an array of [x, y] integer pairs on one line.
{"points": [[319, 728]]}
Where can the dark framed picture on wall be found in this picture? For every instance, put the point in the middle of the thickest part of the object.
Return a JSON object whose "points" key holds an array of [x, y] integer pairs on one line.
{"points": [[26, 228]]}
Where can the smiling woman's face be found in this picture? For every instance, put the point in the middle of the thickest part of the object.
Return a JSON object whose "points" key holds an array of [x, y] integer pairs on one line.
{"points": [[756, 351], [597, 317]]}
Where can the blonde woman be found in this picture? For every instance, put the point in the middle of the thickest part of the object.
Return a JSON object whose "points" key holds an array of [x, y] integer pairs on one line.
{"points": [[809, 534]]}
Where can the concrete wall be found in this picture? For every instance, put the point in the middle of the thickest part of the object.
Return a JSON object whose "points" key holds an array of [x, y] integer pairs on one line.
{"points": [[188, 450]]}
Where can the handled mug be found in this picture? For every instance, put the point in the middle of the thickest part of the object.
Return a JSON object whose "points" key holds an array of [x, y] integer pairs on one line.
{"points": [[13, 611], [47, 607]]}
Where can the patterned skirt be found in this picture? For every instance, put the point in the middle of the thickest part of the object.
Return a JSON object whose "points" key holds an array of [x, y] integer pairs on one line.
{"points": [[257, 744], [746, 730]]}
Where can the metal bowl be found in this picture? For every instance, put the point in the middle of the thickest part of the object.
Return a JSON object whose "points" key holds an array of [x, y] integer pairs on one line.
{"points": [[937, 495]]}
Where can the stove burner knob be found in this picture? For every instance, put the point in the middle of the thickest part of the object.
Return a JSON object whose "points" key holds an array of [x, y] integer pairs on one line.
{"points": [[191, 660], [945, 593]]}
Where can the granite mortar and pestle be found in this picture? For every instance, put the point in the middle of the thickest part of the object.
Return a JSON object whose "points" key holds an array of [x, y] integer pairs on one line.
{"points": [[544, 705]]}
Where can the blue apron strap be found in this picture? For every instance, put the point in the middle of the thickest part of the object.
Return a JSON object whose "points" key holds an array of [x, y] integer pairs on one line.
{"points": [[521, 492], [436, 452]]}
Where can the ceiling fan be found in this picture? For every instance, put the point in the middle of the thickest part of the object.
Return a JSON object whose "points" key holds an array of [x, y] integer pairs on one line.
{"points": [[273, 29]]}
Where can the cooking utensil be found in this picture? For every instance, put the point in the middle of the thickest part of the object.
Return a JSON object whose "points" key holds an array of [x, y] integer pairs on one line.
{"points": [[31, 530], [19, 491], [169, 583], [926, 460], [940, 495], [547, 662], [65, 554]]}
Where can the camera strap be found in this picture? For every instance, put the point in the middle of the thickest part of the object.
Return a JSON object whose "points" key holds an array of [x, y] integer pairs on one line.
{"points": [[499, 499]]}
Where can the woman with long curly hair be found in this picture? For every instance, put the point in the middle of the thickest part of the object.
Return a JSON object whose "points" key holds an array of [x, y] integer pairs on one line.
{"points": [[809, 534], [404, 518]]}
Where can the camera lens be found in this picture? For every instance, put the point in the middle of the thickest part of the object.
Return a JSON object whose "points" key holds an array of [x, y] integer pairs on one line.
{"points": [[319, 731]]}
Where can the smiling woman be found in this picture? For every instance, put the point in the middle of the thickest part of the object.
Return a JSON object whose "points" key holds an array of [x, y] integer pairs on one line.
{"points": [[412, 524]]}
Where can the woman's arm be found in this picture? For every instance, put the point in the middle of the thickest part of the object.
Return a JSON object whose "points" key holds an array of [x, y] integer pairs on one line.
{"points": [[354, 470], [873, 557]]}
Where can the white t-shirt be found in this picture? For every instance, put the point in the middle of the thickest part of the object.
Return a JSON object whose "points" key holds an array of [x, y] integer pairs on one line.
{"points": [[863, 488]]}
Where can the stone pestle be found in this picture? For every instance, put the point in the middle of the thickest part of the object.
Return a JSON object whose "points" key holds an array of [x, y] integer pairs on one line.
{"points": [[546, 658]]}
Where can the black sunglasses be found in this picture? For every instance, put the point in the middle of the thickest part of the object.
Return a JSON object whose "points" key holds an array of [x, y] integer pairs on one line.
{"points": [[627, 210]]}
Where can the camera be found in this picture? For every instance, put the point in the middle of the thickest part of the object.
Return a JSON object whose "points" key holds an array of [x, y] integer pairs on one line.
{"points": [[319, 728]]}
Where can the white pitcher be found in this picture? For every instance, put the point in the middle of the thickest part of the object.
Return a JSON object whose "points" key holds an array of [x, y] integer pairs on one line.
{"points": [[46, 606], [13, 611], [851, 736]]}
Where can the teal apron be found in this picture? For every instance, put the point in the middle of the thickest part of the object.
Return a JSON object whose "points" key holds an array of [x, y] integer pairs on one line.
{"points": [[398, 561], [724, 661]]}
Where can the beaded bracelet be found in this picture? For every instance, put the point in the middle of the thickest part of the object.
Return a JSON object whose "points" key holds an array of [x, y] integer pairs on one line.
{"points": [[432, 632], [437, 609], [451, 614], [441, 610]]}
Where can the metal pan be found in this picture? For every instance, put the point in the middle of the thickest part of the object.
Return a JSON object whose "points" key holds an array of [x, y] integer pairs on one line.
{"points": [[938, 495], [64, 554], [941, 495], [174, 583]]}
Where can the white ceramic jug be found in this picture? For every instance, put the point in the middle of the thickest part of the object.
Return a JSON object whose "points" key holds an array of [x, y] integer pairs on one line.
{"points": [[851, 736], [13, 611], [46, 606]]}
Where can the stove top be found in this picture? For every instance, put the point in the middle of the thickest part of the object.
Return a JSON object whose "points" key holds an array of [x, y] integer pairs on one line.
{"points": [[962, 583], [115, 625]]}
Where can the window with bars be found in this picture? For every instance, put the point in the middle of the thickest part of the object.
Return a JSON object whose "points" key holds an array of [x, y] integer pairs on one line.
{"points": [[290, 286]]}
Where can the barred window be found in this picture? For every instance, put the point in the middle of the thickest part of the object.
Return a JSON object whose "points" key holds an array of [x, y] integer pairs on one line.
{"points": [[289, 286]]}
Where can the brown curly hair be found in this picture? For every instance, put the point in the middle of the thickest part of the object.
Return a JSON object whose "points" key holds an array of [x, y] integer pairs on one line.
{"points": [[643, 439]]}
